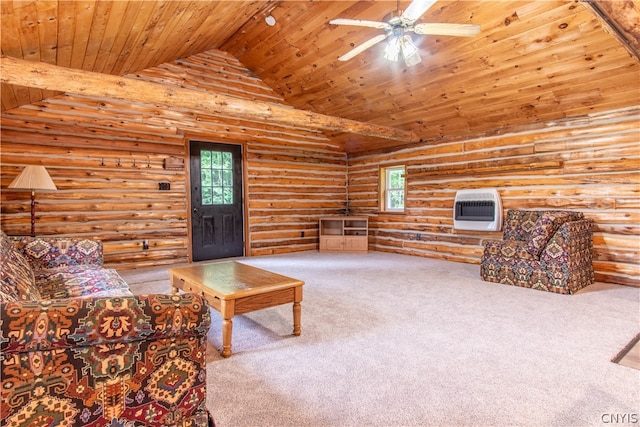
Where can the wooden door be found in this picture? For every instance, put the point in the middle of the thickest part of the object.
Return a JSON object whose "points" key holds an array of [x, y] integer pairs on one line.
{"points": [[217, 221]]}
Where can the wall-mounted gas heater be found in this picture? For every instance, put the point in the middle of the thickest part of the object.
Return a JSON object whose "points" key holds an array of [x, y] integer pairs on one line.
{"points": [[479, 209]]}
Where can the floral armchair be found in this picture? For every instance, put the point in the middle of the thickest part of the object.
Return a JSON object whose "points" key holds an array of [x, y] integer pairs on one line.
{"points": [[547, 250]]}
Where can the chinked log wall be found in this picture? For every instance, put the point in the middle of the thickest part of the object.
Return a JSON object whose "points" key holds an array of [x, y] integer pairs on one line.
{"points": [[296, 175], [587, 164], [107, 158]]}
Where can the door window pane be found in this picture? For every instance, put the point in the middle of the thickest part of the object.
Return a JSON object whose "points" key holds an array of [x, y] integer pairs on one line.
{"points": [[227, 178], [227, 161], [205, 159], [207, 196], [215, 159], [216, 177]]}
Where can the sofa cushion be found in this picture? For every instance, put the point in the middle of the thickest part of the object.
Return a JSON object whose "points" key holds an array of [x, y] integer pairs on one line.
{"points": [[519, 224], [16, 276], [58, 252], [80, 281], [546, 226], [541, 234]]}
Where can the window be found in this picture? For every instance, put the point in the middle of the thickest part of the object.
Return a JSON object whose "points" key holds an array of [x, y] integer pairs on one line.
{"points": [[392, 188], [216, 169]]}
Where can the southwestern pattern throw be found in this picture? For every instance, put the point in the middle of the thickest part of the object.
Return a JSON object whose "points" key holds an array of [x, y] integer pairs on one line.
{"points": [[547, 250]]}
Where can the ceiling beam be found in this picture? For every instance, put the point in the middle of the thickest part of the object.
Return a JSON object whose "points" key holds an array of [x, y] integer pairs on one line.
{"points": [[52, 77], [622, 20]]}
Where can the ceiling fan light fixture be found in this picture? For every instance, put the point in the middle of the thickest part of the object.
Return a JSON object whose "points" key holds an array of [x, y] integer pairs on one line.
{"points": [[392, 50], [410, 51]]}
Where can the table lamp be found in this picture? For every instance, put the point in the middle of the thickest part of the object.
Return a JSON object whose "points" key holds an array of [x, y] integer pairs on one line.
{"points": [[33, 178]]}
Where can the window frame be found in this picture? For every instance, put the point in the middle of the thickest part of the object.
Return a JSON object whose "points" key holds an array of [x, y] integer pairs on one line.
{"points": [[384, 189], [222, 184]]}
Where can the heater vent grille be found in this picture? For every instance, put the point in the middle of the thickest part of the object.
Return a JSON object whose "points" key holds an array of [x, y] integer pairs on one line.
{"points": [[478, 210], [475, 210]]}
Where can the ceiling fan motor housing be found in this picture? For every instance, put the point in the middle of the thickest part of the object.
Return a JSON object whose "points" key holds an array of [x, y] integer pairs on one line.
{"points": [[394, 18]]}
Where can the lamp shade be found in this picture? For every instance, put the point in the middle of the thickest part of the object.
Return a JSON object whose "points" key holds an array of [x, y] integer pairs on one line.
{"points": [[34, 177]]}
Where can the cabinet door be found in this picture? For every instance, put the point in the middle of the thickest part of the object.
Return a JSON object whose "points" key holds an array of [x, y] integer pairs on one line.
{"points": [[331, 243], [356, 243]]}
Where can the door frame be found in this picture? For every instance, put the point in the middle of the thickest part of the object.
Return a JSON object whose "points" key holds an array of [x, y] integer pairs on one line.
{"points": [[245, 193]]}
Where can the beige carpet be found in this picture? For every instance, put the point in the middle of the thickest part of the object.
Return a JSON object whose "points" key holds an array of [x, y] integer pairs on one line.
{"points": [[393, 340], [630, 354]]}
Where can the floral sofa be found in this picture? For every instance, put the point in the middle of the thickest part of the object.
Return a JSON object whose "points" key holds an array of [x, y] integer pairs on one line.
{"points": [[547, 250], [77, 348]]}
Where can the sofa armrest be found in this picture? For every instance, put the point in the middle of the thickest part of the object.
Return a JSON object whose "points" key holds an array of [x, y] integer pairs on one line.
{"points": [[81, 322], [55, 252], [134, 360], [573, 240], [568, 255]]}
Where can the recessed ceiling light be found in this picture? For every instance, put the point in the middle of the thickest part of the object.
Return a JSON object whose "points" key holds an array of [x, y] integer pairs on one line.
{"points": [[270, 20]]}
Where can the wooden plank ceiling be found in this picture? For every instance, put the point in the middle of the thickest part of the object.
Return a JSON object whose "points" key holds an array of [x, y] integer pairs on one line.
{"points": [[532, 61]]}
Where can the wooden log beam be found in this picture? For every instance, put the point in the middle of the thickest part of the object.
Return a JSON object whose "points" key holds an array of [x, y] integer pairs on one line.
{"points": [[472, 170], [51, 77], [622, 20]]}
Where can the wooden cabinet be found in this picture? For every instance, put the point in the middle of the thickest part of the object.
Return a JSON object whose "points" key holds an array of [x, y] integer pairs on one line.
{"points": [[344, 234]]}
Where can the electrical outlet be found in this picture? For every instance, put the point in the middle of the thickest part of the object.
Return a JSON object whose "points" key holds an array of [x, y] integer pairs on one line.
{"points": [[418, 236], [145, 245], [302, 234]]}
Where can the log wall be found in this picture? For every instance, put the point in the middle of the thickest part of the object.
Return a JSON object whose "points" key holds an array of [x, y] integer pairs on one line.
{"points": [[107, 158], [587, 164]]}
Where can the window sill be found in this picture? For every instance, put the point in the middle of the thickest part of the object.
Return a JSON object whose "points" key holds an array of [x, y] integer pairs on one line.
{"points": [[392, 212]]}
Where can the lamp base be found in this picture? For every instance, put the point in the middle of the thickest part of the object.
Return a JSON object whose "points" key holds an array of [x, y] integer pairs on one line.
{"points": [[33, 213]]}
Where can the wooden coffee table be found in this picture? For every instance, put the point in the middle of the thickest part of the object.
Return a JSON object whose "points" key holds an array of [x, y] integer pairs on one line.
{"points": [[234, 288]]}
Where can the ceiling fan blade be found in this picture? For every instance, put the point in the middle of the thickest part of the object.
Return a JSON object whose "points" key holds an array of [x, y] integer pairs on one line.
{"points": [[361, 23], [463, 30], [361, 48], [416, 9]]}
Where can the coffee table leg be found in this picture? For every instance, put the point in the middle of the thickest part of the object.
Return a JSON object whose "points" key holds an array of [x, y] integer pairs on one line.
{"points": [[227, 326], [174, 287], [227, 310], [297, 310]]}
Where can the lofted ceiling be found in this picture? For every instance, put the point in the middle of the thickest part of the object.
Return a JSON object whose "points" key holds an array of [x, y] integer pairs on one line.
{"points": [[533, 61]]}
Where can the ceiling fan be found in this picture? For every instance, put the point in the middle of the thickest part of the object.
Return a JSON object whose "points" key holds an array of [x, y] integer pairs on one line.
{"points": [[397, 28]]}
